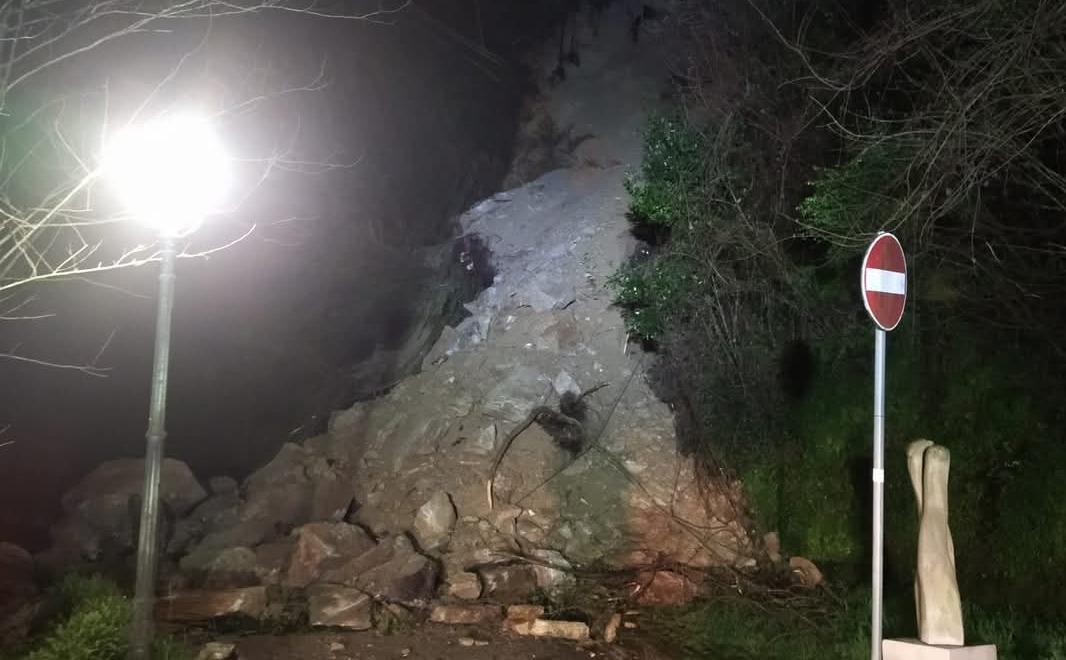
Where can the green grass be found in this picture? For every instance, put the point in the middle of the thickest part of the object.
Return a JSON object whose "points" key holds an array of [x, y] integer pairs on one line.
{"points": [[740, 628]]}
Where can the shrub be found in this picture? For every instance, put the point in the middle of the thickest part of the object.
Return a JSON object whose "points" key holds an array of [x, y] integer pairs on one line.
{"points": [[672, 173], [96, 628], [90, 621], [653, 294]]}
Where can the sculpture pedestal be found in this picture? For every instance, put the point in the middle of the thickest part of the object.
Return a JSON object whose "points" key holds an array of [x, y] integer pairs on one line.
{"points": [[912, 649]]}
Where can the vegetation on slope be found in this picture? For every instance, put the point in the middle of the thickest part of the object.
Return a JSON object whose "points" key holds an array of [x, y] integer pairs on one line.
{"points": [[801, 130]]}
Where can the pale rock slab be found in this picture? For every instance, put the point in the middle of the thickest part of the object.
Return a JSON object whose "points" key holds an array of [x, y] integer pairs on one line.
{"points": [[465, 614], [905, 649], [187, 606], [335, 606]]}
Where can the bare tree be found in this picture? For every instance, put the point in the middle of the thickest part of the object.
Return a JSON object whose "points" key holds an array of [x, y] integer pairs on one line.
{"points": [[58, 102]]}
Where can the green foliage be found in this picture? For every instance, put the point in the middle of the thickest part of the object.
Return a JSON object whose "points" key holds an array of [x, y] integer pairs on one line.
{"points": [[90, 619], [740, 628], [96, 627], [1008, 470], [653, 294], [671, 175], [855, 198]]}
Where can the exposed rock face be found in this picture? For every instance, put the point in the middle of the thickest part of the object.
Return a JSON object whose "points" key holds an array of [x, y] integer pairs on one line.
{"points": [[545, 327]]}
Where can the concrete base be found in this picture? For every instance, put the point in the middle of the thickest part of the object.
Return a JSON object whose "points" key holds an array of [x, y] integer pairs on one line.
{"points": [[912, 649]]}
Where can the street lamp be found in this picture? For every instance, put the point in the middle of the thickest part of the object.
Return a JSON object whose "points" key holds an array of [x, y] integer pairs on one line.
{"points": [[170, 173]]}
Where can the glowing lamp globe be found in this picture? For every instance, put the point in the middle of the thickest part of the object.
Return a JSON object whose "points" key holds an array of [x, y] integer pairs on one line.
{"points": [[170, 173]]}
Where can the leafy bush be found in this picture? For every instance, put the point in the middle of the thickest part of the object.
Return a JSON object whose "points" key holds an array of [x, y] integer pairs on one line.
{"points": [[672, 173], [853, 199], [96, 626], [90, 622], [653, 294]]}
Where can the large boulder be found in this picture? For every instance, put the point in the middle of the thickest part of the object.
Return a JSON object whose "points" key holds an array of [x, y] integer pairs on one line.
{"points": [[102, 512], [220, 511], [102, 496], [297, 486], [221, 568], [393, 571], [317, 542]]}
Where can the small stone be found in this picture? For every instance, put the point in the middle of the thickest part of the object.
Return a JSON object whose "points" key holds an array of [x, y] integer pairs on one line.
{"points": [[773, 546], [665, 588], [552, 575], [464, 585], [572, 630], [524, 612], [629, 625], [804, 572], [218, 651], [610, 632], [564, 383], [405, 652], [466, 641], [435, 521], [336, 647], [465, 614], [510, 583]]}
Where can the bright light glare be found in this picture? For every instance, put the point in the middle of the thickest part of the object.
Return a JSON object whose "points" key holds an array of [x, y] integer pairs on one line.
{"points": [[170, 172]]}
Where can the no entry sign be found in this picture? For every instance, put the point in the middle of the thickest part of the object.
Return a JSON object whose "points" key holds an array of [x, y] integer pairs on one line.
{"points": [[884, 292], [884, 281]]}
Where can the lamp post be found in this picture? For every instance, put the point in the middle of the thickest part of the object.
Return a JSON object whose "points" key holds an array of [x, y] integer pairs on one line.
{"points": [[170, 173]]}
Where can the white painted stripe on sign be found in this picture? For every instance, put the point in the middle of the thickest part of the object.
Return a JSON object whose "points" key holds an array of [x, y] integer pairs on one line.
{"points": [[886, 281]]}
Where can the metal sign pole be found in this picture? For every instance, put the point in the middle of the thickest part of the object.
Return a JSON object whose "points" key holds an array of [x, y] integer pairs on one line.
{"points": [[878, 478]]}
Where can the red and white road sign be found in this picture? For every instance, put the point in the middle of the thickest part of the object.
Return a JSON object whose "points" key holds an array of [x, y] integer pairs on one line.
{"points": [[884, 281]]}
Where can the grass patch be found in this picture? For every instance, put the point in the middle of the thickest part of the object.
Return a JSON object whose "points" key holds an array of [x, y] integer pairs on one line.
{"points": [[741, 628]]}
